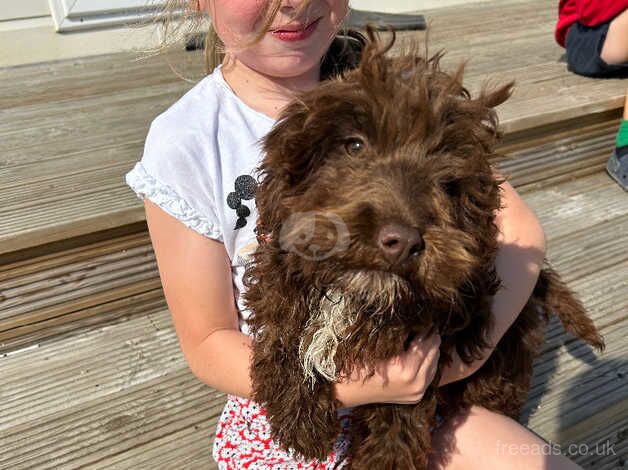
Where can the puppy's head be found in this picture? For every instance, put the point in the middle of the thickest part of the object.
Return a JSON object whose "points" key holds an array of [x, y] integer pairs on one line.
{"points": [[378, 191]]}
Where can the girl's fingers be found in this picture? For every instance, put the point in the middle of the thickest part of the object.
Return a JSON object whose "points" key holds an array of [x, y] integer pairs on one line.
{"points": [[429, 364], [413, 357], [419, 348], [433, 368], [417, 359]]}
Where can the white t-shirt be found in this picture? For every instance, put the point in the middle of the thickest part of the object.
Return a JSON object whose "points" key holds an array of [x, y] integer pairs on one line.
{"points": [[199, 165]]}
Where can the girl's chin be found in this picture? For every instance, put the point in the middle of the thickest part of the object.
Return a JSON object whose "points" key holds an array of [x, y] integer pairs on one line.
{"points": [[283, 66]]}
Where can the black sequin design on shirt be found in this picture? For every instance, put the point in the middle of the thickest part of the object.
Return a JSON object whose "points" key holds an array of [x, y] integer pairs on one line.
{"points": [[245, 186]]}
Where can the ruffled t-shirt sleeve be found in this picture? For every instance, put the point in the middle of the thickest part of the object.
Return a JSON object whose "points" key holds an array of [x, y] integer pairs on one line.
{"points": [[174, 174]]}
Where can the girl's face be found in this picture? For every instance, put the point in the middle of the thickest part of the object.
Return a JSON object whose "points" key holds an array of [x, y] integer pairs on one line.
{"points": [[292, 45]]}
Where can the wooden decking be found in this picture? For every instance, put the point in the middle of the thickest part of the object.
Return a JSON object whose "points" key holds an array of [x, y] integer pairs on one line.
{"points": [[92, 375]]}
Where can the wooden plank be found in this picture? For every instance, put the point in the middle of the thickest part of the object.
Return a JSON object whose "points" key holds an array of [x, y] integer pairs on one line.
{"points": [[47, 137], [88, 434], [92, 76], [111, 161], [58, 258], [56, 189], [54, 294], [95, 356], [21, 272], [50, 223], [106, 288], [27, 334], [102, 268], [535, 162], [595, 249], [600, 441], [577, 205], [597, 443]]}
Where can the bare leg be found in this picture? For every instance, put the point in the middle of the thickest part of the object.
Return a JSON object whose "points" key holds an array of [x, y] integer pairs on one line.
{"points": [[615, 49], [483, 439]]}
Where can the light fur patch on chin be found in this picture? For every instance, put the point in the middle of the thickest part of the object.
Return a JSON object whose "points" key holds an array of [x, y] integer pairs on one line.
{"points": [[337, 311], [325, 327]]}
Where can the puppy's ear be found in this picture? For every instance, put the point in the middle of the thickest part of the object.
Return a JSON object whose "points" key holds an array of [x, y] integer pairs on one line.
{"points": [[296, 147], [488, 100], [466, 127], [288, 143], [283, 149]]}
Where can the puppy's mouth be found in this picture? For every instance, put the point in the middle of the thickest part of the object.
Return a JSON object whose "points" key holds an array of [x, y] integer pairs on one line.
{"points": [[335, 311], [370, 279], [377, 292]]}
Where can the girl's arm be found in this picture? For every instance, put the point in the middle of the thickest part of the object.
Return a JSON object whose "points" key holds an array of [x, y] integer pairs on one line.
{"points": [[195, 273], [519, 259]]}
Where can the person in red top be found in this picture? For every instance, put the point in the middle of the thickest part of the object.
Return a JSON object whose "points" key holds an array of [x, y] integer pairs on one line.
{"points": [[594, 34], [589, 13]]}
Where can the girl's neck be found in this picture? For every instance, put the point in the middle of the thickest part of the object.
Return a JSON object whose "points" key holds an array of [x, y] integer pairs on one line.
{"points": [[265, 93]]}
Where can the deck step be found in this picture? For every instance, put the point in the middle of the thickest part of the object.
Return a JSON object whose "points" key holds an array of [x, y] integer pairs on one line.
{"points": [[548, 155], [96, 389], [71, 289]]}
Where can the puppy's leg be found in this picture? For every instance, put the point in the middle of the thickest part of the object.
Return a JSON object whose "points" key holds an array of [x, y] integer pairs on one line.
{"points": [[502, 383], [392, 437], [302, 418]]}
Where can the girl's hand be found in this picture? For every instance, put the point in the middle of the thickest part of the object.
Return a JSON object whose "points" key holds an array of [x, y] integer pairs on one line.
{"points": [[401, 380]]}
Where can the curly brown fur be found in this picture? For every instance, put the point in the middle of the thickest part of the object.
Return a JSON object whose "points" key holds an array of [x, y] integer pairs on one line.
{"points": [[397, 140]]}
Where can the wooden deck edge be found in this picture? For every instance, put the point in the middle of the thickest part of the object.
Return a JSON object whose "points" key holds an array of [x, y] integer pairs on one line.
{"points": [[516, 135], [57, 239], [534, 122]]}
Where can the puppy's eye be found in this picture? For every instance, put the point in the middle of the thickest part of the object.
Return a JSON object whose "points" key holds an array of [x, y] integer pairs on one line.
{"points": [[452, 188], [354, 146]]}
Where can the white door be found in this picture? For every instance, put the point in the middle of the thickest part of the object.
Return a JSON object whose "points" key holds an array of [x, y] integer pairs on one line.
{"points": [[72, 15]]}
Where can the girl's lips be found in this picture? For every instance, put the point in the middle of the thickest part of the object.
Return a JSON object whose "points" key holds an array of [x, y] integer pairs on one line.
{"points": [[297, 35]]}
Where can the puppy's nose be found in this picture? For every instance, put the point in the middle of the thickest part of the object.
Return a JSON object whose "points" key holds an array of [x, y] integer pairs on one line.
{"points": [[399, 242]]}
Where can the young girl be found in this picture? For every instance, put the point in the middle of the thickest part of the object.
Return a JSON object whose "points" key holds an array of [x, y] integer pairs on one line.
{"points": [[195, 178]]}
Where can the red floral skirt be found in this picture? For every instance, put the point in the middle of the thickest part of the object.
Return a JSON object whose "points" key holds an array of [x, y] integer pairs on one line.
{"points": [[243, 441]]}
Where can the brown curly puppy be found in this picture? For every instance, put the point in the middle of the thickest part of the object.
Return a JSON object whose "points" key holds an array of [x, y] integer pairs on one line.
{"points": [[379, 195]]}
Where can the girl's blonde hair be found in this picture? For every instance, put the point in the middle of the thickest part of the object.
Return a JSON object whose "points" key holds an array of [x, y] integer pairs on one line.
{"points": [[181, 21]]}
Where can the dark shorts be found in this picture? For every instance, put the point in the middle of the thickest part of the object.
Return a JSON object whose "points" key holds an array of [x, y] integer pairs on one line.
{"points": [[583, 45]]}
